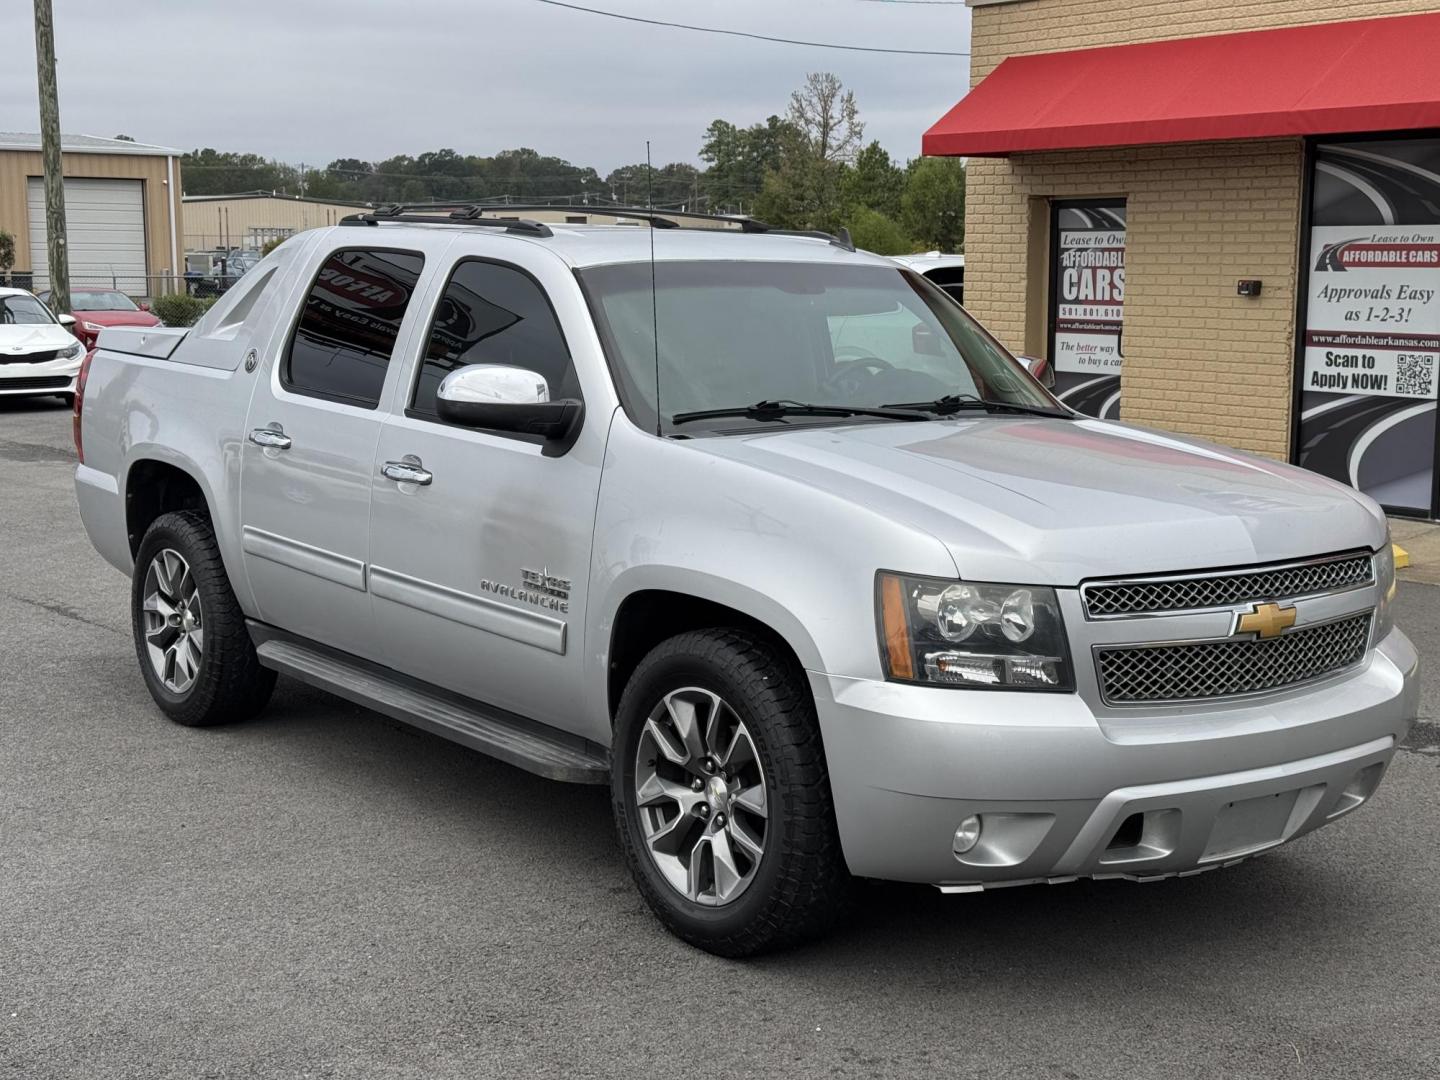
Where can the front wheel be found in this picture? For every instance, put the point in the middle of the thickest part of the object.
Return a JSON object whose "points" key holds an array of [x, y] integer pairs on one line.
{"points": [[721, 796], [190, 636]]}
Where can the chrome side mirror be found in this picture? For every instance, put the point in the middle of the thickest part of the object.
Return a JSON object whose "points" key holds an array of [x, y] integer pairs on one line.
{"points": [[498, 397], [1040, 370]]}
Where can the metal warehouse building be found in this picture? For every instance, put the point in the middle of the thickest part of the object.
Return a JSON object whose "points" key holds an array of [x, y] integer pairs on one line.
{"points": [[122, 208], [1219, 217], [251, 219]]}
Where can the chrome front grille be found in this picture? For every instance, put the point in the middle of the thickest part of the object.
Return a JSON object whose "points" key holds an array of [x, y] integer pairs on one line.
{"points": [[1143, 674], [1195, 592]]}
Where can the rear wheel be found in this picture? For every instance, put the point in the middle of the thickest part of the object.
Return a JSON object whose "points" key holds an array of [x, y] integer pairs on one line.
{"points": [[721, 796], [194, 650]]}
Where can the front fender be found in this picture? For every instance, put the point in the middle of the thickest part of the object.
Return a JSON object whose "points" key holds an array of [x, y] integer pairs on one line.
{"points": [[799, 560]]}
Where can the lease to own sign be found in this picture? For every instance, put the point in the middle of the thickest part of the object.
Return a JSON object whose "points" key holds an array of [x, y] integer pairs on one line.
{"points": [[1373, 319], [1089, 314]]}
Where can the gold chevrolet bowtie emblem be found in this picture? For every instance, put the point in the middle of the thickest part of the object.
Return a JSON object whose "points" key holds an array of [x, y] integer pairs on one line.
{"points": [[1265, 620]]}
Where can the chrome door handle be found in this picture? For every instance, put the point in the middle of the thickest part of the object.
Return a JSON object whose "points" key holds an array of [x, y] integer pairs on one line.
{"points": [[406, 472], [270, 437]]}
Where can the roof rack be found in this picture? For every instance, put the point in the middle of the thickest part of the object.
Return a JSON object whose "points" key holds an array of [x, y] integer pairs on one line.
{"points": [[459, 214], [665, 219], [472, 214]]}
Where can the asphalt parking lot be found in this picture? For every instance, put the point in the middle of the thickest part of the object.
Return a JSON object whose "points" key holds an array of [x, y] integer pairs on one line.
{"points": [[325, 892]]}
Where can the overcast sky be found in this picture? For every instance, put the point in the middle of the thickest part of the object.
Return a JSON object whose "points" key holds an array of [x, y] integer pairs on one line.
{"points": [[313, 80]]}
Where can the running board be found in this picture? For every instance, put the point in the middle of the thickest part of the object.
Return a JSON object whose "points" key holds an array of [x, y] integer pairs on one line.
{"points": [[512, 739]]}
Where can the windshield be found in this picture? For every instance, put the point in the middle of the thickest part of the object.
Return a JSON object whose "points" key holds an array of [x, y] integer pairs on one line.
{"points": [[735, 333], [23, 311], [101, 301]]}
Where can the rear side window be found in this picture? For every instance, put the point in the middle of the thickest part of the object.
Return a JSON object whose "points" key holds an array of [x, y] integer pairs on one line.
{"points": [[493, 314], [348, 325]]}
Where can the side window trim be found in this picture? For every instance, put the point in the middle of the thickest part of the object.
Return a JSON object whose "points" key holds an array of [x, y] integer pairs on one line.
{"points": [[306, 287], [418, 369]]}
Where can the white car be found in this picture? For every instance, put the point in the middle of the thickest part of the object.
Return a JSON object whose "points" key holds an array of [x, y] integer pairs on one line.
{"points": [[947, 271], [38, 353]]}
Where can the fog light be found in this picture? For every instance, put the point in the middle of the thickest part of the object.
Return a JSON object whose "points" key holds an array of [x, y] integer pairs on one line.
{"points": [[967, 835]]}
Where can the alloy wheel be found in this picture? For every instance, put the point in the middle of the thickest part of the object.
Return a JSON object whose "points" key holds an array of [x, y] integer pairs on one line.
{"points": [[174, 623], [700, 790]]}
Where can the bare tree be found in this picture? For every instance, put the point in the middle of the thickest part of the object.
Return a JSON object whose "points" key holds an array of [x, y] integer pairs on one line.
{"points": [[825, 114]]}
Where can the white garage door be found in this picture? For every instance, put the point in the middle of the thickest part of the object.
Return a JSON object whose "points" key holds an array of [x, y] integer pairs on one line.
{"points": [[105, 227]]}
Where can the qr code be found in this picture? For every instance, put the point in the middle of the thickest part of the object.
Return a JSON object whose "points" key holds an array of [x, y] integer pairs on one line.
{"points": [[1414, 375]]}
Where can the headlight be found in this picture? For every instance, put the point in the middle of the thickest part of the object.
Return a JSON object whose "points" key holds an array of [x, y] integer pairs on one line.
{"points": [[960, 633], [1385, 584], [70, 352]]}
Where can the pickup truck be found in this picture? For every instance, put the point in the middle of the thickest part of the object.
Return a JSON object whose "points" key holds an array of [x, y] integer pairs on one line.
{"points": [[762, 532]]}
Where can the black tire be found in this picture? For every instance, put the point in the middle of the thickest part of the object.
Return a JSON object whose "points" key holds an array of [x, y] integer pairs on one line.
{"points": [[230, 685], [801, 887]]}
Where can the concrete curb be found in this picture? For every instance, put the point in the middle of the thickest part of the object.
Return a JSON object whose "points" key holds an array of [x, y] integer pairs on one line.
{"points": [[1417, 550]]}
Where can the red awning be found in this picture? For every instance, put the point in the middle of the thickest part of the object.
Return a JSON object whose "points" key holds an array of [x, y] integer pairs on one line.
{"points": [[1336, 78]]}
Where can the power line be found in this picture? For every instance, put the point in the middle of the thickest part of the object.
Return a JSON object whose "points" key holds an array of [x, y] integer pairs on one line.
{"points": [[747, 34]]}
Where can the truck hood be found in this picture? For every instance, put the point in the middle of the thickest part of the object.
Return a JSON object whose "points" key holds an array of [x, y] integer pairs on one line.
{"points": [[1046, 501]]}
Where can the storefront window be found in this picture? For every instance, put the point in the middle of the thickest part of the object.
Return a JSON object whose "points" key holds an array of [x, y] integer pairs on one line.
{"points": [[1372, 320], [1087, 303]]}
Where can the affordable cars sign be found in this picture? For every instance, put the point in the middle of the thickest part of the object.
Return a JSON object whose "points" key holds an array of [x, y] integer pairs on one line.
{"points": [[1374, 318], [1371, 334], [1088, 305]]}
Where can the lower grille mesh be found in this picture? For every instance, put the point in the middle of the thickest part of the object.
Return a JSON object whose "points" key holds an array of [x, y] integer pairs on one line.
{"points": [[1224, 668], [47, 382]]}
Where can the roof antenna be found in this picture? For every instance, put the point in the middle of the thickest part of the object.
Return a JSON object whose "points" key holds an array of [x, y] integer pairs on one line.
{"points": [[654, 294]]}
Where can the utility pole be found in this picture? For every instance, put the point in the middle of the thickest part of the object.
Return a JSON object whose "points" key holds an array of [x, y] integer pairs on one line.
{"points": [[59, 258]]}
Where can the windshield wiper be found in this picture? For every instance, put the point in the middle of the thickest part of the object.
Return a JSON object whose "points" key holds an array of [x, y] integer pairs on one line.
{"points": [[953, 403], [775, 410]]}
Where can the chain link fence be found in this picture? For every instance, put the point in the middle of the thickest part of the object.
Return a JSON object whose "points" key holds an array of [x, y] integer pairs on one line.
{"points": [[140, 288]]}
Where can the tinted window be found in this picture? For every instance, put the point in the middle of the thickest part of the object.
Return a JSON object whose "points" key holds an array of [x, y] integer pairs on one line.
{"points": [[493, 314], [108, 300], [348, 326], [734, 333]]}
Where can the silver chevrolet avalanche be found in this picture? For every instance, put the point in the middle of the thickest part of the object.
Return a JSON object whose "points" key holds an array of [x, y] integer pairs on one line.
{"points": [[763, 532]]}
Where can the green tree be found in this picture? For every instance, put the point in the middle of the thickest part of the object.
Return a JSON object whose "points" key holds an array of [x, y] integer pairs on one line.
{"points": [[875, 182], [932, 210], [673, 186], [874, 231], [806, 191], [739, 159], [213, 172], [7, 254]]}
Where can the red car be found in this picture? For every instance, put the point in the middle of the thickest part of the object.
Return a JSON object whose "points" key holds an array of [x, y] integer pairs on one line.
{"points": [[95, 309]]}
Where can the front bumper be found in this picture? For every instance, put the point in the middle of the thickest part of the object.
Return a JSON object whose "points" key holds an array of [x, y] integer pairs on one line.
{"points": [[21, 379], [1061, 795]]}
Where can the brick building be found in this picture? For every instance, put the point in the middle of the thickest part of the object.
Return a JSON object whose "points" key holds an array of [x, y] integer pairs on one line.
{"points": [[1218, 217]]}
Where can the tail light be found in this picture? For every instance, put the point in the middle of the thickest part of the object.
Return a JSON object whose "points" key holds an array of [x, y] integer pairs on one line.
{"points": [[80, 381]]}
